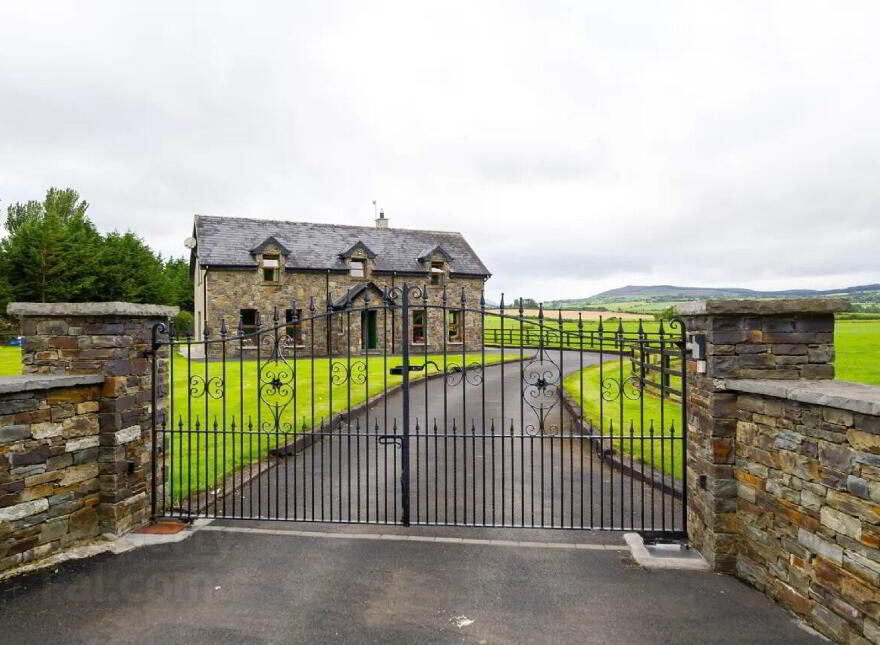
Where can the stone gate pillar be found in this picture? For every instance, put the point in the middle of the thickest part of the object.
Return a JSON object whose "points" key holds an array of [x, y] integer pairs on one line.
{"points": [[741, 339], [112, 339]]}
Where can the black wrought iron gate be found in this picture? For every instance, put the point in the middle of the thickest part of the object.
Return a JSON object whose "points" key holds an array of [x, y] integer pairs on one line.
{"points": [[448, 414]]}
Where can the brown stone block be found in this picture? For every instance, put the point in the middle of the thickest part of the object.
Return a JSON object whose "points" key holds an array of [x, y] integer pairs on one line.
{"points": [[114, 386], [789, 598], [62, 342], [796, 515], [751, 480], [722, 450], [80, 426], [83, 523], [72, 394]]}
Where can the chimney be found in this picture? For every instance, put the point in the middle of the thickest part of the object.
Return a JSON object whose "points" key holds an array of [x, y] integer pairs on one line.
{"points": [[381, 222]]}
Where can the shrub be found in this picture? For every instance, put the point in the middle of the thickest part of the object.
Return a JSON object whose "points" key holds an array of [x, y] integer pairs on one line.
{"points": [[182, 323]]}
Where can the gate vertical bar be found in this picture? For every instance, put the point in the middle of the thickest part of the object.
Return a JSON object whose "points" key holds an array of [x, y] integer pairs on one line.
{"points": [[404, 444]]}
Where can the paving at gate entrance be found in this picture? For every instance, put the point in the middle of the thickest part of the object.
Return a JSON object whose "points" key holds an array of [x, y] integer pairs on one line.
{"points": [[283, 583]]}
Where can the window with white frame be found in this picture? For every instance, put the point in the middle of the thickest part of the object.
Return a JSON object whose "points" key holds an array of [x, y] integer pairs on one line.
{"points": [[437, 272], [271, 268], [358, 268]]}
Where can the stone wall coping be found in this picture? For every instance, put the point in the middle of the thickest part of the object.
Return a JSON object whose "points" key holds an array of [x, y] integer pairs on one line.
{"points": [[856, 397], [30, 382], [765, 307], [90, 309]]}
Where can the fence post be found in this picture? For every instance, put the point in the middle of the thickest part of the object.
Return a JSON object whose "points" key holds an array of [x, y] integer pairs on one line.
{"points": [[743, 339]]}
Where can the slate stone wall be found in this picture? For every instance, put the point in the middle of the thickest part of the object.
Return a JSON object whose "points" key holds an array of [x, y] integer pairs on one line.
{"points": [[808, 509], [50, 449], [768, 339], [111, 341]]}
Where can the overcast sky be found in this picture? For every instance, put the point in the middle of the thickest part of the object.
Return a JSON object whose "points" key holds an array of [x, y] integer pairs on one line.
{"points": [[578, 146]]}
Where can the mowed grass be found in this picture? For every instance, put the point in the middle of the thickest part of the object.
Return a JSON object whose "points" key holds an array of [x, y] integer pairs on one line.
{"points": [[857, 348], [203, 454], [642, 417], [10, 360]]}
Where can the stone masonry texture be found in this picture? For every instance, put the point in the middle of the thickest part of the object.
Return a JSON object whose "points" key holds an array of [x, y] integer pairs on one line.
{"points": [[50, 488], [743, 340], [228, 291], [808, 512], [784, 463], [113, 342]]}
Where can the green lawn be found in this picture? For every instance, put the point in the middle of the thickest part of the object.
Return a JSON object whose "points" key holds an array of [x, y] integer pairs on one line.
{"points": [[857, 344], [312, 402], [642, 417], [10, 360]]}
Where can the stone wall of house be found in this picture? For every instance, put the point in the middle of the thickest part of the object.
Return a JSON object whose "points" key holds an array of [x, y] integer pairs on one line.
{"points": [[808, 500], [50, 450], [114, 341], [229, 291]]}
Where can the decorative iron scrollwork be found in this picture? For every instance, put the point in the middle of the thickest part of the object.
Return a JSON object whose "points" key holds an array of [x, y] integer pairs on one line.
{"points": [[356, 372], [631, 388], [542, 429], [471, 374], [541, 380], [276, 381], [199, 387]]}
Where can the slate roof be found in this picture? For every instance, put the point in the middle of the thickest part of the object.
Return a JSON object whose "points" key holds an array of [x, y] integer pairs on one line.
{"points": [[227, 241]]}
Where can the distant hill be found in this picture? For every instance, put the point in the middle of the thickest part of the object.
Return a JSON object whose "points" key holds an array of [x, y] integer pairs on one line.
{"points": [[655, 297]]}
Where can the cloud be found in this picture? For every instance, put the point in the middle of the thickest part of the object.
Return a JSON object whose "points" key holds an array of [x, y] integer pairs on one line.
{"points": [[578, 146]]}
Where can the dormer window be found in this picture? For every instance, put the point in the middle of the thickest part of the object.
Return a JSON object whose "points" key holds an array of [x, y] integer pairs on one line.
{"points": [[437, 272], [358, 268], [271, 268]]}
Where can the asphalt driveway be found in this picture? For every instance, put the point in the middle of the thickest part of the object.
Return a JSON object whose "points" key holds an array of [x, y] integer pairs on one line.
{"points": [[272, 584]]}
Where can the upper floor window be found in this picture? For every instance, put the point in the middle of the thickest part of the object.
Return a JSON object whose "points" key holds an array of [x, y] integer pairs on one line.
{"points": [[271, 268], [358, 268], [437, 273]]}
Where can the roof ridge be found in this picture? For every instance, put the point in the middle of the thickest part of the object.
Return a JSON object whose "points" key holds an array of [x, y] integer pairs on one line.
{"points": [[286, 221]]}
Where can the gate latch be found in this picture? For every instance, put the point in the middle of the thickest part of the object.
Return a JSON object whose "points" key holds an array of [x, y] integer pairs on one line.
{"points": [[397, 370], [396, 439]]}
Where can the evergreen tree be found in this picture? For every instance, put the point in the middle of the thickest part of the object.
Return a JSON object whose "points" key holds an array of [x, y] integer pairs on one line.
{"points": [[53, 253], [130, 271], [50, 252]]}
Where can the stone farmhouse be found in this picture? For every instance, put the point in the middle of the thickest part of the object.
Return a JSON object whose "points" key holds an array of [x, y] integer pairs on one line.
{"points": [[244, 268]]}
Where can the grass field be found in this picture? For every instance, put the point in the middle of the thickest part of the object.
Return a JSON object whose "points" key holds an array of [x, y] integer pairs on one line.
{"points": [[643, 417], [206, 460], [857, 345], [10, 361]]}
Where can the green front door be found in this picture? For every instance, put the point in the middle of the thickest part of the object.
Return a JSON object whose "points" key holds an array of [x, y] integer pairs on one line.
{"points": [[368, 330]]}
